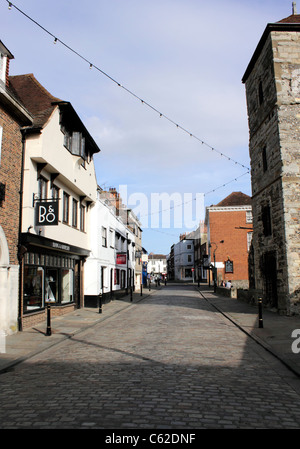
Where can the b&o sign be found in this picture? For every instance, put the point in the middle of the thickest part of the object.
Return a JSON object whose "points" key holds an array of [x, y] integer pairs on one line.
{"points": [[46, 213]]}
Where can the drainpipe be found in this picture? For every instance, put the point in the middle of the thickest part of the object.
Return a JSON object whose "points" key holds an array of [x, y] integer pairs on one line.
{"points": [[20, 253]]}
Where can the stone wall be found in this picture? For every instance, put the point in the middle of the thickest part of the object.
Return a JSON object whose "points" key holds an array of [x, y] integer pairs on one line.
{"points": [[273, 100]]}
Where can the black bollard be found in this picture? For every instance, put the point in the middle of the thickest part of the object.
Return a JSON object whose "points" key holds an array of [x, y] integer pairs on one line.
{"points": [[141, 289], [131, 294], [48, 331], [260, 318], [100, 303]]}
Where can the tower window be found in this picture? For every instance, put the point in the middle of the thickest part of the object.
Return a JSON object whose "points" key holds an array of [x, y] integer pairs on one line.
{"points": [[264, 159], [266, 219], [260, 93]]}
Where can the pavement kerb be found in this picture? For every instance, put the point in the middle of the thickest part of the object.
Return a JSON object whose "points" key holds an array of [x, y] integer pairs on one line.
{"points": [[262, 342], [48, 341]]}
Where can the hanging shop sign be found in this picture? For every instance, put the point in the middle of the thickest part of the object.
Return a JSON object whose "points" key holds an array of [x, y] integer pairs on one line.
{"points": [[46, 213], [121, 259]]}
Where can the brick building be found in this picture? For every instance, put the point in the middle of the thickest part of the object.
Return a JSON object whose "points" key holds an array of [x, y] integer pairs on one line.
{"points": [[272, 82], [13, 116], [229, 234]]}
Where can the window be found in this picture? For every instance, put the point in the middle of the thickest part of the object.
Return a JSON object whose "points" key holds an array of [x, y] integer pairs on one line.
{"points": [[104, 237], [117, 276], [43, 188], [75, 143], [249, 240], [33, 288], [55, 192], [264, 159], [74, 213], [3, 62], [266, 219], [123, 272], [189, 246], [82, 218], [47, 278], [67, 285], [249, 218], [189, 258], [111, 238], [260, 93], [66, 207]]}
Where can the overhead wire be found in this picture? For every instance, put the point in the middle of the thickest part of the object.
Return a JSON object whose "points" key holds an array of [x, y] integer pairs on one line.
{"points": [[92, 65]]}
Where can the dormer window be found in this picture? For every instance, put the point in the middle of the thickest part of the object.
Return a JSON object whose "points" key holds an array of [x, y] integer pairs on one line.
{"points": [[3, 62], [5, 56], [75, 143]]}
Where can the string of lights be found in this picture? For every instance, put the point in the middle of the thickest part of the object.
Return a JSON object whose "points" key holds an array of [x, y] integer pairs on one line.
{"points": [[194, 199], [93, 66]]}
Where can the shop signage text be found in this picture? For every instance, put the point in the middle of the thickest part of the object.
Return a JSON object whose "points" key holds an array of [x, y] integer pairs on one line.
{"points": [[121, 259]]}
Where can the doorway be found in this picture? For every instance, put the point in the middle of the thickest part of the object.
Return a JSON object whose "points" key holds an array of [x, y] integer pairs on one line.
{"points": [[270, 272]]}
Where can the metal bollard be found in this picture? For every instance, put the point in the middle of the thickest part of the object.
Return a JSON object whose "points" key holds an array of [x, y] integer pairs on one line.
{"points": [[260, 318], [141, 289], [100, 303], [131, 294], [48, 331]]}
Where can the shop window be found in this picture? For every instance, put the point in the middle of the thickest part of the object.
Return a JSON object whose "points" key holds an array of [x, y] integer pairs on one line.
{"points": [[67, 285], [117, 276], [33, 297], [53, 282], [123, 272], [188, 272], [51, 285]]}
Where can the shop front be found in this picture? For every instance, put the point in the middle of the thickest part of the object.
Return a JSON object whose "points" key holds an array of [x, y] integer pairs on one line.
{"points": [[51, 271]]}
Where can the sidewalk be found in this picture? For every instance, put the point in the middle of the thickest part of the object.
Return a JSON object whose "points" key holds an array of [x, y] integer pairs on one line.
{"points": [[275, 336], [23, 345]]}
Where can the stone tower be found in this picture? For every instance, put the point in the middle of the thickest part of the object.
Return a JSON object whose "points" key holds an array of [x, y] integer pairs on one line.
{"points": [[272, 82]]}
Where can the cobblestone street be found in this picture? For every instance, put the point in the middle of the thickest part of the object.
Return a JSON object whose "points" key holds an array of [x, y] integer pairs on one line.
{"points": [[170, 361]]}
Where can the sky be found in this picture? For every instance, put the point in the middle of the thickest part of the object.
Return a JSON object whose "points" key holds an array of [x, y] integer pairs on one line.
{"points": [[165, 77]]}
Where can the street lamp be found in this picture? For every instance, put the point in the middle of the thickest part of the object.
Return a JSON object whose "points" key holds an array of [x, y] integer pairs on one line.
{"points": [[215, 269]]}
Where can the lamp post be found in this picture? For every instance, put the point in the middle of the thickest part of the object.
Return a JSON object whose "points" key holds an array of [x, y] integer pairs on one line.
{"points": [[215, 269]]}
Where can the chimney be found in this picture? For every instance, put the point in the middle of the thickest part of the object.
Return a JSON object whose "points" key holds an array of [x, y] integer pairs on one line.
{"points": [[294, 8]]}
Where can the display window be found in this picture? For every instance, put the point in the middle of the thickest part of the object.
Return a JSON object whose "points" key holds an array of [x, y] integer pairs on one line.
{"points": [[47, 278]]}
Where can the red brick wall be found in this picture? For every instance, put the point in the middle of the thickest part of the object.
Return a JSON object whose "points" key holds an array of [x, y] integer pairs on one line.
{"points": [[224, 226], [10, 175]]}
